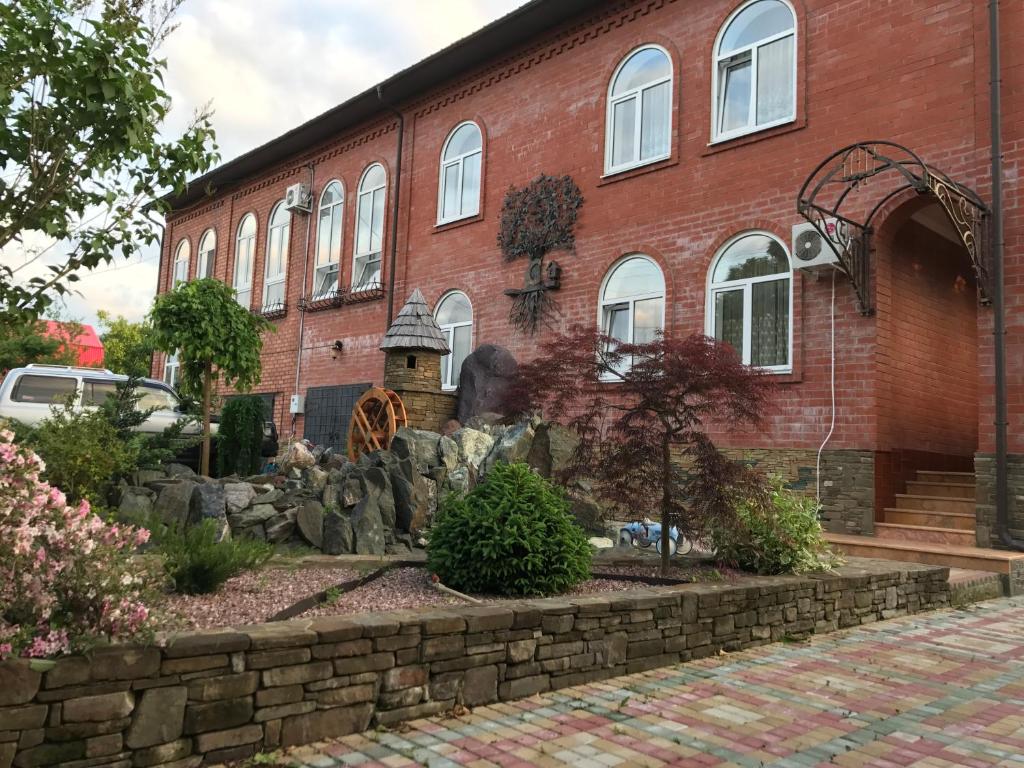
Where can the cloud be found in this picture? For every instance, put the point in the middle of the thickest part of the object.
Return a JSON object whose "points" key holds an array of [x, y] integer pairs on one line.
{"points": [[266, 67]]}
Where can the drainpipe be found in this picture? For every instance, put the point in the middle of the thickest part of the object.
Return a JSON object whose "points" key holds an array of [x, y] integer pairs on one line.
{"points": [[163, 236], [394, 212], [998, 303], [302, 294]]}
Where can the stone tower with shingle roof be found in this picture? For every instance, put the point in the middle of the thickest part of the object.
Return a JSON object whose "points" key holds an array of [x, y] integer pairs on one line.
{"points": [[413, 347]]}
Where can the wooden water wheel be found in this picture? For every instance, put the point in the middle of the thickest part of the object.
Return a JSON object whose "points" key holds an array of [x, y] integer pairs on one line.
{"points": [[375, 419]]}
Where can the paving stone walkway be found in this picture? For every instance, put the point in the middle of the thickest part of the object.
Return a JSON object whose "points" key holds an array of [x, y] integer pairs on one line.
{"points": [[941, 689]]}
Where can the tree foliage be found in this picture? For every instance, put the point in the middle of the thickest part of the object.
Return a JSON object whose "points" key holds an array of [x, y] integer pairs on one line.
{"points": [[24, 341], [82, 103], [642, 413], [127, 346], [240, 436], [214, 337]]}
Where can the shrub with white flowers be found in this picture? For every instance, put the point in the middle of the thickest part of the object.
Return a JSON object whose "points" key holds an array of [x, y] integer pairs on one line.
{"points": [[67, 578]]}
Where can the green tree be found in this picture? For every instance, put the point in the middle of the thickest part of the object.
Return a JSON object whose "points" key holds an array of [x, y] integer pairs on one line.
{"points": [[127, 346], [24, 341], [214, 337], [82, 103]]}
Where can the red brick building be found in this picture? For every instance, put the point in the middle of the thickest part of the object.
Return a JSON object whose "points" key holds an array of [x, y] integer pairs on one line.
{"points": [[690, 128]]}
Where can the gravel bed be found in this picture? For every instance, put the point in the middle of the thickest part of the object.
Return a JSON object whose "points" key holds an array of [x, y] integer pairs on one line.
{"points": [[252, 597], [405, 588]]}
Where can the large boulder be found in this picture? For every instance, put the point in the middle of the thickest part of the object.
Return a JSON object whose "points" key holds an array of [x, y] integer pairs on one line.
{"points": [[460, 479], [513, 446], [338, 536], [310, 519], [448, 451], [250, 516], [411, 502], [208, 503], [418, 445], [368, 527], [486, 374], [298, 456], [552, 448], [280, 527], [378, 484], [473, 446], [238, 496], [178, 470], [136, 503], [172, 502], [315, 479]]}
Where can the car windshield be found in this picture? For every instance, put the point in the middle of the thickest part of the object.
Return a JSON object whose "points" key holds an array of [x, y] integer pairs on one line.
{"points": [[156, 397]]}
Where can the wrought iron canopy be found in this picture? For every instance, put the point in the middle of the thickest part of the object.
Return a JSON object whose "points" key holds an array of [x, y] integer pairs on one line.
{"points": [[838, 189]]}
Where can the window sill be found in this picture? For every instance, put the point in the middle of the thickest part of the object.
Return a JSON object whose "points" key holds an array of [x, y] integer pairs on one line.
{"points": [[757, 134], [785, 377], [342, 297], [456, 223], [639, 170]]}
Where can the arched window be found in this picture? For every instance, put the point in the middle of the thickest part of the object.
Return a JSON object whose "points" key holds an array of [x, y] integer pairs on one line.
{"points": [[369, 228], [750, 300], [459, 194], [632, 306], [171, 369], [181, 256], [639, 120], [207, 253], [245, 246], [328, 240], [755, 69], [276, 267], [454, 314]]}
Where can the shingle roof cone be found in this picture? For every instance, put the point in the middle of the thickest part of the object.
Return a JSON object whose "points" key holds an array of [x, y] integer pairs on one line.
{"points": [[415, 328]]}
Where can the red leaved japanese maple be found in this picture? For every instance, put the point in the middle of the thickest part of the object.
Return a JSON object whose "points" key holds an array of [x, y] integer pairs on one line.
{"points": [[642, 413]]}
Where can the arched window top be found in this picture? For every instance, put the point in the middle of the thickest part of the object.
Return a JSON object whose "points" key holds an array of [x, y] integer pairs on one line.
{"points": [[454, 308], [279, 215], [247, 226], [750, 256], [207, 250], [373, 178], [755, 22], [634, 276], [208, 242], [333, 194], [643, 67], [463, 140], [183, 250]]}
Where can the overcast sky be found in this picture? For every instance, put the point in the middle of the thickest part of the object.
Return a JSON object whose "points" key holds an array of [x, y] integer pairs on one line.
{"points": [[267, 66]]}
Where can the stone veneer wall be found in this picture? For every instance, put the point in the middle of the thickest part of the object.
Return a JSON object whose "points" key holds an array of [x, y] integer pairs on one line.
{"points": [[847, 482], [426, 405], [223, 695], [985, 497]]}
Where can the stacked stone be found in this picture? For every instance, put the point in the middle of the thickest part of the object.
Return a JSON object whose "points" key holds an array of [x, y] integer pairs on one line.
{"points": [[223, 695]]}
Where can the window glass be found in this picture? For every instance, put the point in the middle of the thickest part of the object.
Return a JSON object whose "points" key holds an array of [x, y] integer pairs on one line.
{"points": [[181, 257], [639, 122], [633, 302], [454, 315], [459, 194], [97, 392], [207, 253], [171, 370], [156, 397], [276, 267], [465, 139], [328, 244], [44, 389], [244, 248], [755, 73], [750, 300], [637, 276]]}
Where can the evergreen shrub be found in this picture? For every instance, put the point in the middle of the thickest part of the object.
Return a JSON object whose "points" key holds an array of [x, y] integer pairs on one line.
{"points": [[512, 535], [240, 436], [198, 564]]}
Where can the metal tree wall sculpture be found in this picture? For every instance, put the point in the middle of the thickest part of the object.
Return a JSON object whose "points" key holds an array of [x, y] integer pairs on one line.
{"points": [[536, 220]]}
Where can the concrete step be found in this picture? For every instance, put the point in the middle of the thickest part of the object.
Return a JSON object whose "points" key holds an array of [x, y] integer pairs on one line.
{"points": [[961, 521], [931, 534], [966, 587], [945, 490], [934, 503], [933, 476], [968, 558]]}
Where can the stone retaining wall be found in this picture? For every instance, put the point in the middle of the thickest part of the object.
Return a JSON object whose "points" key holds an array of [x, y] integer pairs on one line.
{"points": [[219, 696]]}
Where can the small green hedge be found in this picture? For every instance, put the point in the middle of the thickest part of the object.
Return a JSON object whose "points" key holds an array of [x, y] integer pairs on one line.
{"points": [[777, 532], [240, 436], [511, 535], [199, 564]]}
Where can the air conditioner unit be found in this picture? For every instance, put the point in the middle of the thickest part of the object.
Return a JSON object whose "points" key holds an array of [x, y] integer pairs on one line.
{"points": [[297, 198], [810, 248]]}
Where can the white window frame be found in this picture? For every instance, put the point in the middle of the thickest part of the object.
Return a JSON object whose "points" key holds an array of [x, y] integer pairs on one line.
{"points": [[250, 242], [172, 370], [448, 329], [637, 93], [333, 264], [361, 196], [204, 264], [746, 284], [631, 300], [460, 161], [281, 277], [182, 254], [720, 62]]}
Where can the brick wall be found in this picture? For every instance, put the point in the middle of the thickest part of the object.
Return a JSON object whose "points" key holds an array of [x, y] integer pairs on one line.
{"points": [[918, 69], [220, 696]]}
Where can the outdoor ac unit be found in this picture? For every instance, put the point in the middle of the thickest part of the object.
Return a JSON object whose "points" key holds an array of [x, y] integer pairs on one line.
{"points": [[297, 197], [809, 246]]}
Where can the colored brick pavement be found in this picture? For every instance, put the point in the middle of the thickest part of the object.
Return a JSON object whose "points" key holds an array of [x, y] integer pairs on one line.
{"points": [[943, 689]]}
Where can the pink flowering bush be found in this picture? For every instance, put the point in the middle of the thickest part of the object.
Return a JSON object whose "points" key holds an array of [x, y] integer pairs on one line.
{"points": [[67, 578]]}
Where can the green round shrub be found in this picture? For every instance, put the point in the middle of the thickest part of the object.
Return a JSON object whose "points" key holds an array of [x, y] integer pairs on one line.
{"points": [[511, 535]]}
